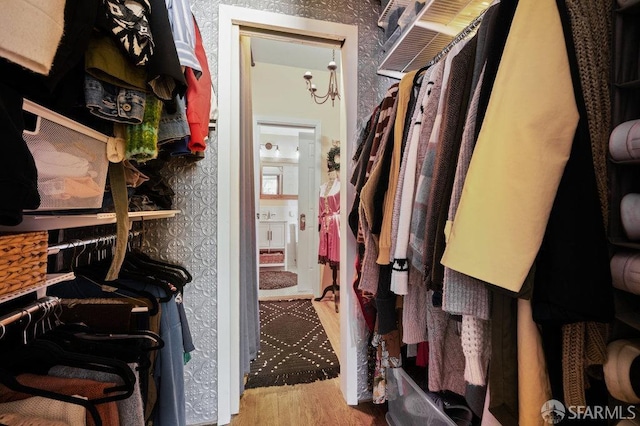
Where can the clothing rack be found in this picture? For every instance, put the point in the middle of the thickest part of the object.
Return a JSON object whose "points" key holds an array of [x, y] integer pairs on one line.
{"points": [[466, 31], [47, 303], [105, 239]]}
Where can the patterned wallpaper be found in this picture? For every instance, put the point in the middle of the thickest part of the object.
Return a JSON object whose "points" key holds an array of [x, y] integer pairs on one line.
{"points": [[190, 237]]}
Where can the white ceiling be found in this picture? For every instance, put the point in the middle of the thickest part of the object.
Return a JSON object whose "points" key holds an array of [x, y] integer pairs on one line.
{"points": [[292, 54]]}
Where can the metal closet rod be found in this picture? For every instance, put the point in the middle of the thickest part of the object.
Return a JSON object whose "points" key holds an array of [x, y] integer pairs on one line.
{"points": [[55, 249], [47, 302], [458, 38]]}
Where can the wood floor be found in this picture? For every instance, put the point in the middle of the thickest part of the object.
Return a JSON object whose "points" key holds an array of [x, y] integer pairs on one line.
{"points": [[319, 403]]}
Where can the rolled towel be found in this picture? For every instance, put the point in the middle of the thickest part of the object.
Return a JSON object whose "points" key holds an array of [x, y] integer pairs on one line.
{"points": [[142, 139]]}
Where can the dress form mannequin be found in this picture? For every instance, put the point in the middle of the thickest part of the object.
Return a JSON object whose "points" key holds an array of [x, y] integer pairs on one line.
{"points": [[329, 228]]}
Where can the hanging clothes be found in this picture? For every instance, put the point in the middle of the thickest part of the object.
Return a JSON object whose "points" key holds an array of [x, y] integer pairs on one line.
{"points": [[405, 190], [329, 223], [198, 96], [404, 93], [370, 270], [497, 232]]}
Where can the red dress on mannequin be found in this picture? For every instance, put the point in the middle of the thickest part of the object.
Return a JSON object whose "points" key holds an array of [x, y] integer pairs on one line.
{"points": [[329, 220]]}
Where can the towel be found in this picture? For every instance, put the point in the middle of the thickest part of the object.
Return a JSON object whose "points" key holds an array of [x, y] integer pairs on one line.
{"points": [[142, 139]]}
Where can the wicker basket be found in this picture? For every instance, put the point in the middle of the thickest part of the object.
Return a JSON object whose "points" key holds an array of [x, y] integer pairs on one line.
{"points": [[275, 257], [23, 260]]}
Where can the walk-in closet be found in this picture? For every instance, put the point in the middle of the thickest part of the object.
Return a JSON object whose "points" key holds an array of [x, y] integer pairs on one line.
{"points": [[282, 212]]}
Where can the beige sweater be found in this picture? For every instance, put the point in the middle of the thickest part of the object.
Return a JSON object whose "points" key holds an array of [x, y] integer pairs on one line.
{"points": [[31, 32]]}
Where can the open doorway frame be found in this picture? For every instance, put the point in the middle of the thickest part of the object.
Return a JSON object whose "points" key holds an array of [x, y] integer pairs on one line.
{"points": [[312, 286], [228, 232]]}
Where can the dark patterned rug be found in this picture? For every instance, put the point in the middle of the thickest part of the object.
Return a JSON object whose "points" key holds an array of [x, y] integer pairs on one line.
{"points": [[273, 280], [294, 348]]}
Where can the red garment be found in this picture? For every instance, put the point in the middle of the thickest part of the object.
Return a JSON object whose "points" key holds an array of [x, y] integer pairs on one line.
{"points": [[366, 300], [422, 358], [329, 221], [198, 98]]}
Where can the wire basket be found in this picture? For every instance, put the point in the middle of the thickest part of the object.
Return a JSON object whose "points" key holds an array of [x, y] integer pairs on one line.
{"points": [[23, 260], [71, 160]]}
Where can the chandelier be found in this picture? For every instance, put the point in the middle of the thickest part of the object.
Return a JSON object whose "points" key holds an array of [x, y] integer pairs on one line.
{"points": [[332, 91]]}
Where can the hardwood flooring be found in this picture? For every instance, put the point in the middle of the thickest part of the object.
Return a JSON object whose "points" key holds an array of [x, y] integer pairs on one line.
{"points": [[314, 404]]}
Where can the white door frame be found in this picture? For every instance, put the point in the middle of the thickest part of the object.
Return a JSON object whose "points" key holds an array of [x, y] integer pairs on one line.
{"points": [[230, 18], [316, 125]]}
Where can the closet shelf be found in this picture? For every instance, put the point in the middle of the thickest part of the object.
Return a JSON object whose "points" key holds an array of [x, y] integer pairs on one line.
{"points": [[40, 222], [389, 8], [434, 27], [51, 280]]}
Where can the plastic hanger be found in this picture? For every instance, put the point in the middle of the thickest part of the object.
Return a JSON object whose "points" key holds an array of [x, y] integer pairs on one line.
{"points": [[38, 356], [153, 301], [145, 257]]}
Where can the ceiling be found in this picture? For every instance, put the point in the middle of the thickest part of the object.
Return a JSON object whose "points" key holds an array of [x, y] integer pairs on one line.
{"points": [[292, 54]]}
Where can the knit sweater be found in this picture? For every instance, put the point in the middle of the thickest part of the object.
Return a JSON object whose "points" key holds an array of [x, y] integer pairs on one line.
{"points": [[418, 237], [476, 345], [446, 359], [464, 295], [590, 28], [414, 314], [453, 117]]}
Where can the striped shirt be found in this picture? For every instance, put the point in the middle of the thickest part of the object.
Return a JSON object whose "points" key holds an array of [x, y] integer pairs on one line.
{"points": [[181, 20]]}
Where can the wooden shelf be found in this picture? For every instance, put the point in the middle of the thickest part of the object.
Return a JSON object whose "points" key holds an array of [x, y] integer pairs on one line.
{"points": [[41, 222]]}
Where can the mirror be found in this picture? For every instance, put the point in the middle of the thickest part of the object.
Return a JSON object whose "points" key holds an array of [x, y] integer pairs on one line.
{"points": [[279, 180]]}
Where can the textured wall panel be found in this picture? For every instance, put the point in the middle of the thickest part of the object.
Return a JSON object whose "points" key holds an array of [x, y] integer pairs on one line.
{"points": [[190, 238]]}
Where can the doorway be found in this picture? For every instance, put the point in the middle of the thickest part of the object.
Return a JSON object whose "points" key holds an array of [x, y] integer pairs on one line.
{"points": [[228, 298], [286, 173]]}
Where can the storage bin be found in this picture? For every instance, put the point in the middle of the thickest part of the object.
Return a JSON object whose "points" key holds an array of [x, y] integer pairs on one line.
{"points": [[409, 405], [71, 160], [23, 260]]}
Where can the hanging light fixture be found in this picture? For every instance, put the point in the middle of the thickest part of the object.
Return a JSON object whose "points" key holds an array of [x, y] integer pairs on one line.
{"points": [[269, 147], [332, 91]]}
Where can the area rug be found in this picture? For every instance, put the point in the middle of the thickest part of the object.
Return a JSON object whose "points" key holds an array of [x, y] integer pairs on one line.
{"points": [[294, 348], [273, 280]]}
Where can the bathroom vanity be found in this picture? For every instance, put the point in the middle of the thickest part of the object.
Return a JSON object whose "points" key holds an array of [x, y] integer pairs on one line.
{"points": [[272, 243]]}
